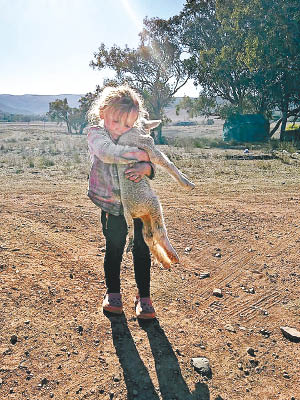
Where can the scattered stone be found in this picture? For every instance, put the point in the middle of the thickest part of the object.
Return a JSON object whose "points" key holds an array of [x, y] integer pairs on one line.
{"points": [[217, 292], [230, 328], [80, 329], [44, 382], [218, 255], [187, 249], [13, 339], [251, 351], [240, 366], [254, 363], [265, 333], [286, 375], [27, 322], [79, 390], [117, 378], [290, 333], [201, 365], [251, 290], [204, 275]]}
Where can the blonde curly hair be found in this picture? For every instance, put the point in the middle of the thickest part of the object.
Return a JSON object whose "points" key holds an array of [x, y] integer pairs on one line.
{"points": [[122, 98]]}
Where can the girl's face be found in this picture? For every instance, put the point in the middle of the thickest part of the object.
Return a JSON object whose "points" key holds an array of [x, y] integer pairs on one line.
{"points": [[117, 123]]}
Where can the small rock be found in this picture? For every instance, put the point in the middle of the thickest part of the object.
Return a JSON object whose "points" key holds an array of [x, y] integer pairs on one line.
{"points": [[218, 255], [240, 366], [265, 333], [117, 378], [230, 328], [201, 365], [251, 351], [13, 339], [204, 275], [44, 382], [286, 375], [251, 290], [187, 249], [217, 292], [290, 333]]}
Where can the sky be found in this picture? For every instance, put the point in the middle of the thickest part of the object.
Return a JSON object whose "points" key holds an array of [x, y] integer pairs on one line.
{"points": [[47, 45]]}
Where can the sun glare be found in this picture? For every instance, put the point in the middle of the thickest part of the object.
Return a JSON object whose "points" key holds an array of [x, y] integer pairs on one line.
{"points": [[132, 14]]}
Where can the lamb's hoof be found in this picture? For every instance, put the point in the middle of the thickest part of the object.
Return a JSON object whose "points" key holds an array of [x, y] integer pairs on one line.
{"points": [[190, 185]]}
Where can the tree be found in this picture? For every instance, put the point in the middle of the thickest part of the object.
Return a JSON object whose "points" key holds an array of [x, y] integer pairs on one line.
{"points": [[60, 111], [154, 68], [245, 52], [271, 51], [213, 61], [203, 105], [75, 118]]}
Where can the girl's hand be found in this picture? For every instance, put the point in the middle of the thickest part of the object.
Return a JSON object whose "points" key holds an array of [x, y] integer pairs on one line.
{"points": [[138, 171]]}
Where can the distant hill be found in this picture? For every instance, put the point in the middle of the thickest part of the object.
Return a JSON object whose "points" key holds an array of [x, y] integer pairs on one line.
{"points": [[33, 103]]}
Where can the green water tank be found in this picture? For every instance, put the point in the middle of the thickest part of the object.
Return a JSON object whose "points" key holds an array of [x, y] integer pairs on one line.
{"points": [[246, 128]]}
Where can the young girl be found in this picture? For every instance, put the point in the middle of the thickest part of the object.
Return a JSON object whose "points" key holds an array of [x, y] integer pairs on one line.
{"points": [[119, 109]]}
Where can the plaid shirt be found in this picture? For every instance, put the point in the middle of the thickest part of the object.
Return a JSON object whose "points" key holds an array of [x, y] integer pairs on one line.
{"points": [[105, 153]]}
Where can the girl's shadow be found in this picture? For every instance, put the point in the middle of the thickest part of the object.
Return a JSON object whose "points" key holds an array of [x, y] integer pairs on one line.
{"points": [[139, 385]]}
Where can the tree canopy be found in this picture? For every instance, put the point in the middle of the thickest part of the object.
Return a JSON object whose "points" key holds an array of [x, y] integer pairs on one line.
{"points": [[75, 118], [245, 52], [154, 68]]}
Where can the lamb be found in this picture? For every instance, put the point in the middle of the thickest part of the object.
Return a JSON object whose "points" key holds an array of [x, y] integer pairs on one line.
{"points": [[140, 201]]}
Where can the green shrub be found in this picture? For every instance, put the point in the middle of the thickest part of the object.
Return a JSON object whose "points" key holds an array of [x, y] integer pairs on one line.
{"points": [[45, 162]]}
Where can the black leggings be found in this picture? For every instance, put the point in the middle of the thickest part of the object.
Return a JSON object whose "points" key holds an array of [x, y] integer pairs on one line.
{"points": [[115, 231]]}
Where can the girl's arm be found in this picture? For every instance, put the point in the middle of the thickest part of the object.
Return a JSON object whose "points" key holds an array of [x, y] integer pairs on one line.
{"points": [[101, 146]]}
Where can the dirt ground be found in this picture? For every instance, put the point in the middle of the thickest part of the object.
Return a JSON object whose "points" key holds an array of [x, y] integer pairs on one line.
{"points": [[240, 224]]}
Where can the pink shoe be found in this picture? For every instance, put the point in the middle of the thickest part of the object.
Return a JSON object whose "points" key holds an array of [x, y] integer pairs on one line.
{"points": [[144, 308], [113, 303]]}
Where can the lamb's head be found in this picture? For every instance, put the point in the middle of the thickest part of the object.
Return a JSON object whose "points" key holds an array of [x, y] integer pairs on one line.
{"points": [[148, 124]]}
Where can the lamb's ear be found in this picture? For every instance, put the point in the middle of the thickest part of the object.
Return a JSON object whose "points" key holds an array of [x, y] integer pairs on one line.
{"points": [[152, 123]]}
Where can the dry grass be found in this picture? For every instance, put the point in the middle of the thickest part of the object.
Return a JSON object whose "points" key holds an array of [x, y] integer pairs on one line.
{"points": [[50, 151]]}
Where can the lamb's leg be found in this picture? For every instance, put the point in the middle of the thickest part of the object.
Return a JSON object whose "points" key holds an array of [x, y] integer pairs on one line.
{"points": [[130, 227], [159, 158], [155, 236]]}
